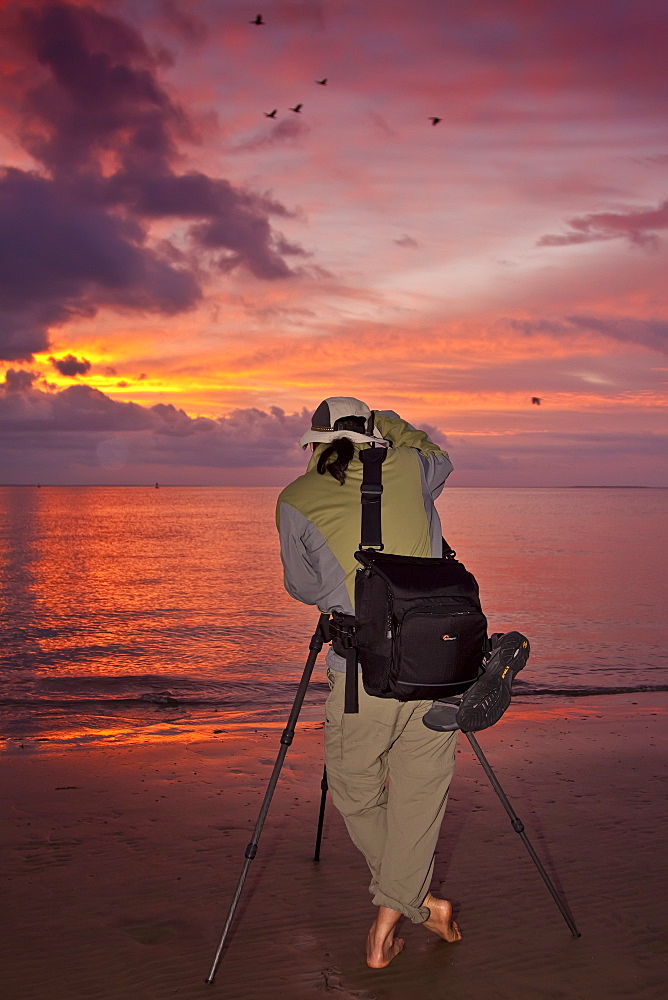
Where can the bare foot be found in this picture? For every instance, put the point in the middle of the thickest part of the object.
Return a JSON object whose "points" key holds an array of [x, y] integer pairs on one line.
{"points": [[381, 944], [440, 919]]}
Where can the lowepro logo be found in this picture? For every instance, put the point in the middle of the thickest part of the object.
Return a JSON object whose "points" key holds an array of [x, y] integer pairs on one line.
{"points": [[448, 638]]}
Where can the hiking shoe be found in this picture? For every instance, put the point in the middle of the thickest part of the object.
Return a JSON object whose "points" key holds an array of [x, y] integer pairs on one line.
{"points": [[442, 716], [485, 701]]}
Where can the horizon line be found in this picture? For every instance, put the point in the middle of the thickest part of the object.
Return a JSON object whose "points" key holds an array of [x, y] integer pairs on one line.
{"points": [[252, 486]]}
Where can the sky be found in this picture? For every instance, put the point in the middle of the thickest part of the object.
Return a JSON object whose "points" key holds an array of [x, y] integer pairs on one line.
{"points": [[183, 277]]}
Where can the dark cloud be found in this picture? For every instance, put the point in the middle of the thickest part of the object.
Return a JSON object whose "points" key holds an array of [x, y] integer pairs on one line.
{"points": [[70, 365], [407, 241], [481, 458], [77, 237], [652, 333], [595, 444], [74, 408], [62, 257], [639, 227], [99, 90], [19, 381], [236, 221], [76, 417], [572, 239], [436, 435], [572, 458], [538, 326], [284, 131]]}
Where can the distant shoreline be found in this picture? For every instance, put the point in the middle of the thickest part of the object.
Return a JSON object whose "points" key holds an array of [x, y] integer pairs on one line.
{"points": [[606, 487]]}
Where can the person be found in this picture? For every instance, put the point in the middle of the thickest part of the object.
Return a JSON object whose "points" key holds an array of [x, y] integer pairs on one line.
{"points": [[388, 774]]}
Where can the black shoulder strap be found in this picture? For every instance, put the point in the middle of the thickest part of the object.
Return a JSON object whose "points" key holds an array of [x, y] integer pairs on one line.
{"points": [[371, 489]]}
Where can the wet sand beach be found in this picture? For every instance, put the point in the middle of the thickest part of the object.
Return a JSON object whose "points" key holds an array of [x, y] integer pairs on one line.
{"points": [[119, 862]]}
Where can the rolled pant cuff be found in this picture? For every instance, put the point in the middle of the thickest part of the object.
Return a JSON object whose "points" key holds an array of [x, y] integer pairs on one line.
{"points": [[416, 914]]}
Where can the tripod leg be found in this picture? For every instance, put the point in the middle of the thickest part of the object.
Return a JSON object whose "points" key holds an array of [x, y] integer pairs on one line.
{"points": [[518, 827], [319, 637], [321, 818]]}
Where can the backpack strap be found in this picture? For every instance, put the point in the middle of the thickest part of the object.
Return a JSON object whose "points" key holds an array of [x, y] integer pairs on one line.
{"points": [[371, 489], [351, 699], [372, 535], [342, 631], [448, 551]]}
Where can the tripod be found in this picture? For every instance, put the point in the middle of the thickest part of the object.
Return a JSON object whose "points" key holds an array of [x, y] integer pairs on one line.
{"points": [[319, 637], [515, 821]]}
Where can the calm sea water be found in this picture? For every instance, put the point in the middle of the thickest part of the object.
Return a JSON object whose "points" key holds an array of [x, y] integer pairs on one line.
{"points": [[125, 608]]}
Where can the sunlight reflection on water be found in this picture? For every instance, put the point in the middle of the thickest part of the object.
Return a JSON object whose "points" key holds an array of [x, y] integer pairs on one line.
{"points": [[133, 594]]}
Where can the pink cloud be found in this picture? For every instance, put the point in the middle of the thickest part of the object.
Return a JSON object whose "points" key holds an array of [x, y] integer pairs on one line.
{"points": [[639, 227]]}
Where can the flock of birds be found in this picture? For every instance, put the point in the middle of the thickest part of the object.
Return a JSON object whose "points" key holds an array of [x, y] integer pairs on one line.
{"points": [[259, 20]]}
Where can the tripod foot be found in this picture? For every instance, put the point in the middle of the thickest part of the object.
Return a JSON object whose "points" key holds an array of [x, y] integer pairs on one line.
{"points": [[518, 826]]}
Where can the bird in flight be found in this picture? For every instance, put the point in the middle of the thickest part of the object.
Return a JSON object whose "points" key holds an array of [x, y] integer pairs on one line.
{"points": [[536, 400], [270, 114], [297, 108], [322, 82], [258, 20], [435, 120]]}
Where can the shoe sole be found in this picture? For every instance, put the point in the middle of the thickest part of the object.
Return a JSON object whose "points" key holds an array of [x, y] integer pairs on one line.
{"points": [[450, 727], [486, 701]]}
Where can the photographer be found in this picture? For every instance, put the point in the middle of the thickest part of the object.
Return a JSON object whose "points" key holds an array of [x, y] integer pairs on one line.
{"points": [[388, 774]]}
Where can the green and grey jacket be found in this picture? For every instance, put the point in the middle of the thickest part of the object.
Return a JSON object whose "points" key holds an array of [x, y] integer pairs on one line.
{"points": [[319, 519]]}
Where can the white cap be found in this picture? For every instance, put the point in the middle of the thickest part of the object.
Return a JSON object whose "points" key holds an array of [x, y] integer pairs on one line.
{"points": [[333, 409]]}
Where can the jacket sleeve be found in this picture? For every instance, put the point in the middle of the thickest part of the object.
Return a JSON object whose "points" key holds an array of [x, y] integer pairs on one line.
{"points": [[299, 576], [436, 464], [311, 573]]}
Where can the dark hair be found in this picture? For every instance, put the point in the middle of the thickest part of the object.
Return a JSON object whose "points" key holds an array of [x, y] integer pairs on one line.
{"points": [[337, 456]]}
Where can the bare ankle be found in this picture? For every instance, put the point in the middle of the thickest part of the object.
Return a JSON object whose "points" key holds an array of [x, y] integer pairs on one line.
{"points": [[381, 945]]}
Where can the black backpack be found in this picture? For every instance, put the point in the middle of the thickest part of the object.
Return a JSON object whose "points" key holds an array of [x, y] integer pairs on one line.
{"points": [[418, 630]]}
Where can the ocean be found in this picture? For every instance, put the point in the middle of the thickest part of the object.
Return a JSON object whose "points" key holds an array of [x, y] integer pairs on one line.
{"points": [[131, 612]]}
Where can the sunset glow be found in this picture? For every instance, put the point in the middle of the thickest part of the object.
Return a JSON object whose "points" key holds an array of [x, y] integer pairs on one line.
{"points": [[166, 243]]}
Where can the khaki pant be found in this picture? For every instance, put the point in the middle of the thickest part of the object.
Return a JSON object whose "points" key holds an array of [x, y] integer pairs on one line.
{"points": [[389, 777]]}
